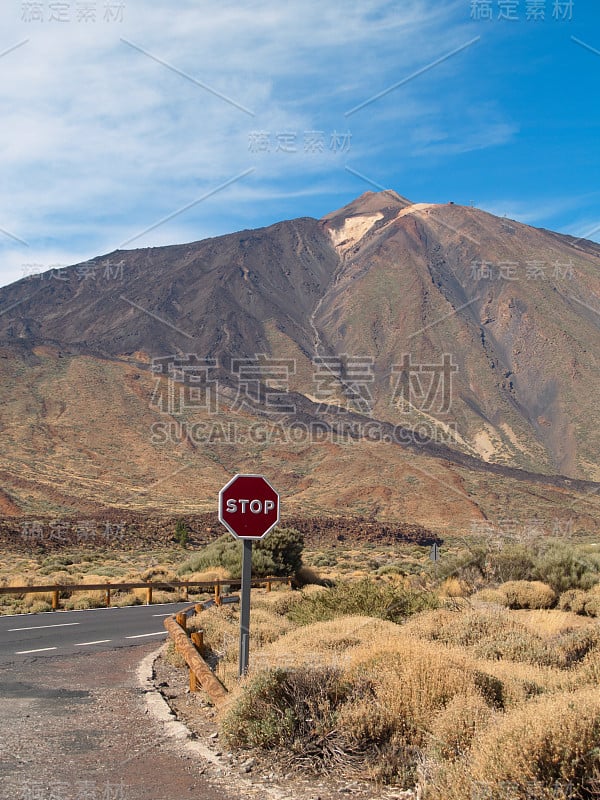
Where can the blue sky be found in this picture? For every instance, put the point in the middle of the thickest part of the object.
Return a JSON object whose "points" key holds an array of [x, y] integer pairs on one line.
{"points": [[211, 118]]}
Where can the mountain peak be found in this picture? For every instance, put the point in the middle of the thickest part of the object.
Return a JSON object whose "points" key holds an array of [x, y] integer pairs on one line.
{"points": [[387, 202], [348, 225]]}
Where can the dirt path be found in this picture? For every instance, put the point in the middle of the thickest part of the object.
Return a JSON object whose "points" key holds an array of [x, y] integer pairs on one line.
{"points": [[78, 728]]}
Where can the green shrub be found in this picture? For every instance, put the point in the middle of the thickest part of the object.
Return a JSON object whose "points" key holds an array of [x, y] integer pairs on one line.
{"points": [[469, 565], [280, 553], [563, 568], [512, 563], [364, 598], [182, 535]]}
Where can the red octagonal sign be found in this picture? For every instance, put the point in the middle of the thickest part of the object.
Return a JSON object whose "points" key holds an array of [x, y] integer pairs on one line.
{"points": [[248, 506]]}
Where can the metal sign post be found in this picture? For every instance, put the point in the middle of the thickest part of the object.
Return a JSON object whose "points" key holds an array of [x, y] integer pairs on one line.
{"points": [[249, 509], [245, 607]]}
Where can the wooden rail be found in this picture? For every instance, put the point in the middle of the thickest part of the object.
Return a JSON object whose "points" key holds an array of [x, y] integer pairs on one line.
{"points": [[191, 648], [68, 588]]}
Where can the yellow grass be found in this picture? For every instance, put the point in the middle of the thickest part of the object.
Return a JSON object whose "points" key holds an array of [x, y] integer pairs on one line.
{"points": [[549, 623]]}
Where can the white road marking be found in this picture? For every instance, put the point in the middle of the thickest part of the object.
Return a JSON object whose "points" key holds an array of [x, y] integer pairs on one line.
{"points": [[41, 627], [141, 635], [163, 615], [40, 650], [99, 641]]}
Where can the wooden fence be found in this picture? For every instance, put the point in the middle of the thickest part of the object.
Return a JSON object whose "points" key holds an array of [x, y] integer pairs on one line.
{"points": [[191, 647], [68, 588]]}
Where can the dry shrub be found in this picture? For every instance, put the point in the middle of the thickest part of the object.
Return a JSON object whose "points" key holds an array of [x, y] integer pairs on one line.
{"points": [[161, 595], [220, 625], [490, 633], [82, 600], [528, 594], [122, 599], [384, 600], [173, 656], [548, 745], [573, 600], [589, 669], [498, 634], [41, 605], [212, 574], [494, 596], [521, 681], [158, 574], [312, 589], [278, 602], [413, 680], [550, 623], [295, 712], [158, 595], [572, 646], [267, 626], [453, 728], [379, 711], [592, 605], [453, 587], [327, 643], [32, 599]]}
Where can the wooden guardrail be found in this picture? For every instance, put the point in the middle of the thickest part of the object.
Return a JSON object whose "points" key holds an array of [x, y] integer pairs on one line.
{"points": [[68, 588], [191, 647]]}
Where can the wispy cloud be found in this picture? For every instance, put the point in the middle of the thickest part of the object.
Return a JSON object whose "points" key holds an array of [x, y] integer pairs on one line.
{"points": [[100, 137]]}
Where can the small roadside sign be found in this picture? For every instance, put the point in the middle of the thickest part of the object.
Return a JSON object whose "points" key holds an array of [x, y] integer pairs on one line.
{"points": [[434, 553]]}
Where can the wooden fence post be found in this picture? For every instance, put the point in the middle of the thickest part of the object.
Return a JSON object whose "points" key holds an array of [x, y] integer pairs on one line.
{"points": [[268, 586], [107, 597], [181, 619], [217, 594], [149, 595], [193, 681], [198, 640], [55, 600]]}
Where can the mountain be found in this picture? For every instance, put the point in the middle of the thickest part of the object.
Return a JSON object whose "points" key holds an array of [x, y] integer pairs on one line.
{"points": [[399, 359]]}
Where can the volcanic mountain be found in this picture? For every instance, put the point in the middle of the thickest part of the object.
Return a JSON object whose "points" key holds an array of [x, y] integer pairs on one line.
{"points": [[395, 358]]}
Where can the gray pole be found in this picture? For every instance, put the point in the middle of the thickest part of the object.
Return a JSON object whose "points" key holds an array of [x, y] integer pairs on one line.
{"points": [[245, 606]]}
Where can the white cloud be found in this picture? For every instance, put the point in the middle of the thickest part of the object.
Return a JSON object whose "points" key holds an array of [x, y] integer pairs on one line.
{"points": [[99, 141]]}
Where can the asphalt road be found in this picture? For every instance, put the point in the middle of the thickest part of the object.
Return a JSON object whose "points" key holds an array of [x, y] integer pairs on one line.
{"points": [[60, 633]]}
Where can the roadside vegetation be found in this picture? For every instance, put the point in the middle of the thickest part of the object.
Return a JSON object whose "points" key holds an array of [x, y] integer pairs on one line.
{"points": [[476, 677], [480, 682]]}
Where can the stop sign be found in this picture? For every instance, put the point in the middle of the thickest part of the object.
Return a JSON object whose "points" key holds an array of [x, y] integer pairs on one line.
{"points": [[248, 506]]}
